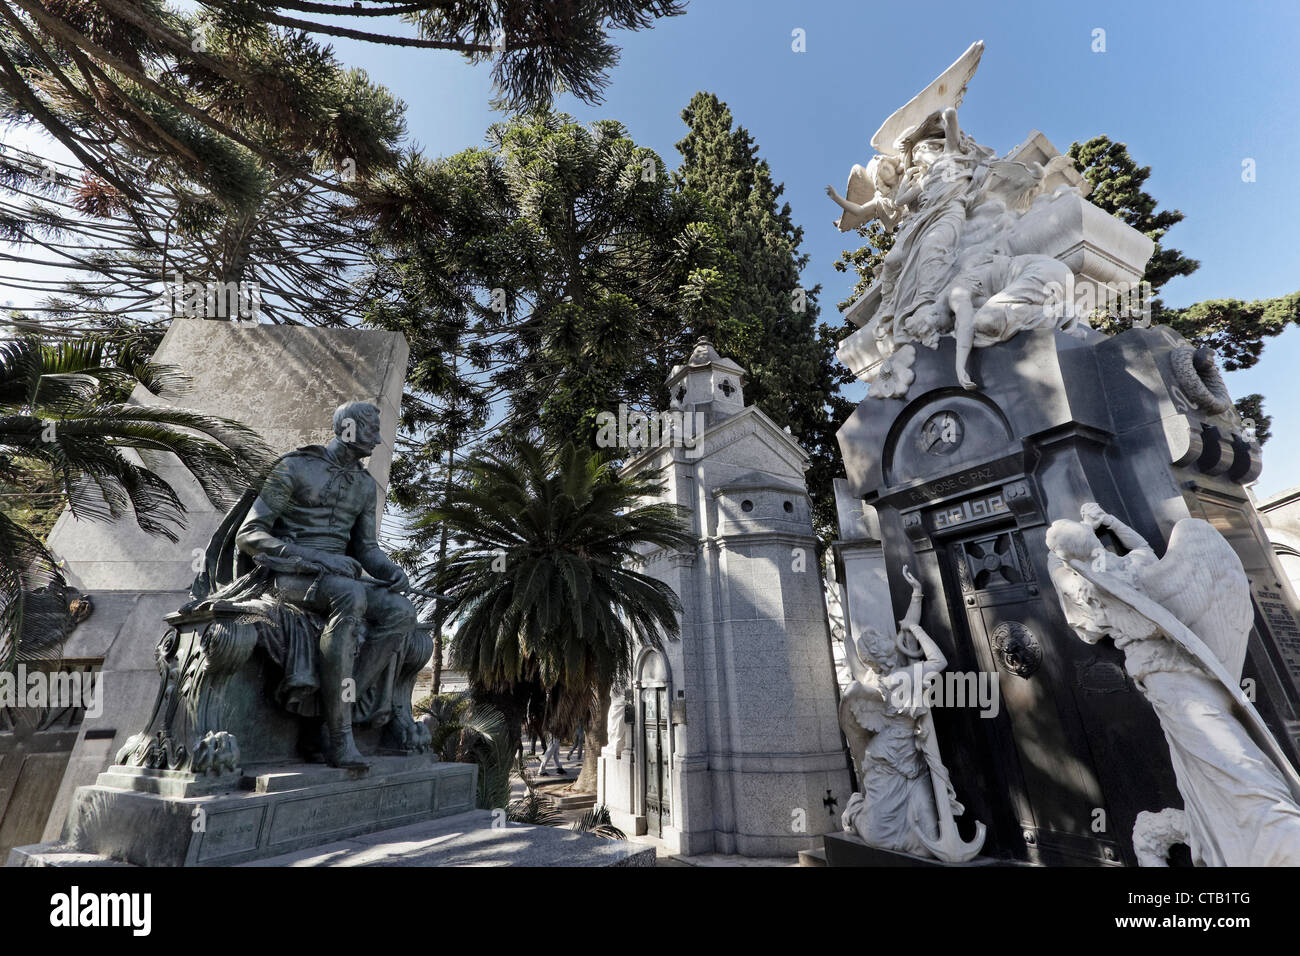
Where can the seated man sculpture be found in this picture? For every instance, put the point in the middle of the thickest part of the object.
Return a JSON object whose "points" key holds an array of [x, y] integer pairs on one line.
{"points": [[313, 524], [296, 572]]}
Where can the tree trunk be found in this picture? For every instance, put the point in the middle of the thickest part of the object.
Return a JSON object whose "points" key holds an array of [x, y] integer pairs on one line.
{"points": [[596, 738], [439, 609]]}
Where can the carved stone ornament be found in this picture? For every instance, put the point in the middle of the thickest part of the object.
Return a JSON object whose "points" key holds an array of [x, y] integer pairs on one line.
{"points": [[907, 802], [967, 259], [941, 434], [1017, 648], [1198, 376]]}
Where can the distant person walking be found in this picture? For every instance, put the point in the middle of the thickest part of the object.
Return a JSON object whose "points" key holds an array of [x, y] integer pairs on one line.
{"points": [[579, 740], [551, 755]]}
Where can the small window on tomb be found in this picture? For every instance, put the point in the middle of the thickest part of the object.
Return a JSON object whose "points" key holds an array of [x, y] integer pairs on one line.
{"points": [[747, 505], [788, 506]]}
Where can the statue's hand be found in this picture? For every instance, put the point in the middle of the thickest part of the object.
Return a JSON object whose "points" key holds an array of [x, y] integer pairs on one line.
{"points": [[398, 579], [1093, 515], [339, 564]]}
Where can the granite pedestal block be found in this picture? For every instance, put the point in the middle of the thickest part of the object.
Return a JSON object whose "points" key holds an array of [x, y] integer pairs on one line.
{"points": [[171, 818]]}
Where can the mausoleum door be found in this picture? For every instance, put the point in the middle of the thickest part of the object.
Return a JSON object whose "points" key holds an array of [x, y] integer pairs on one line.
{"points": [[656, 753], [1040, 749]]}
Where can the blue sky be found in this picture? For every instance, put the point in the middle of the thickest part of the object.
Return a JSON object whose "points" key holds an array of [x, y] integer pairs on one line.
{"points": [[1193, 88]]}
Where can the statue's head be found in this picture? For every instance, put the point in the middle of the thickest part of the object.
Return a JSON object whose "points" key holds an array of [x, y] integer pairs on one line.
{"points": [[876, 650], [885, 172], [356, 425], [1072, 539]]}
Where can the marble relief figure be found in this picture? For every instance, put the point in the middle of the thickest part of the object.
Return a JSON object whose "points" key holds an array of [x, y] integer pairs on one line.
{"points": [[951, 205], [906, 801], [1182, 622]]}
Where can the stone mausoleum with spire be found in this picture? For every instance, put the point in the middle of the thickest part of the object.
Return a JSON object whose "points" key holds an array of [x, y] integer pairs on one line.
{"points": [[728, 740]]}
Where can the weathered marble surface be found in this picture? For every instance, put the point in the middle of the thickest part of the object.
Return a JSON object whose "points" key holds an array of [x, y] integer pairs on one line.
{"points": [[1183, 622], [754, 738], [471, 839], [148, 818], [985, 247]]}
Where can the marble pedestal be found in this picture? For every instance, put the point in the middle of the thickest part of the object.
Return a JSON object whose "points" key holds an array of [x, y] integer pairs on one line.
{"points": [[169, 818]]}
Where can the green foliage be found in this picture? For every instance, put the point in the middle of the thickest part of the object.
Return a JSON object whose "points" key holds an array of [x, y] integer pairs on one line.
{"points": [[469, 731], [544, 585], [1236, 330], [547, 46], [61, 413], [597, 822], [760, 315], [864, 261], [536, 809], [550, 273], [1117, 187], [1251, 409]]}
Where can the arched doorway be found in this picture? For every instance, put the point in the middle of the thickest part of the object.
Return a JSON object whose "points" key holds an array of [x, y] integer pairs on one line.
{"points": [[655, 751]]}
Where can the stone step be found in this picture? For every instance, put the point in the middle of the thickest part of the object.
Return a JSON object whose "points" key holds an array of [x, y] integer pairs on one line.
{"points": [[262, 813], [474, 838], [572, 801], [815, 857]]}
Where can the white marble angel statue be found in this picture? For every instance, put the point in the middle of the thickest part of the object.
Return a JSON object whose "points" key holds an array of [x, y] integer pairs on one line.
{"points": [[1182, 622], [907, 802]]}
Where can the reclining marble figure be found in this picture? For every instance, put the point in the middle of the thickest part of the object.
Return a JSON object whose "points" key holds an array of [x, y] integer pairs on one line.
{"points": [[295, 570]]}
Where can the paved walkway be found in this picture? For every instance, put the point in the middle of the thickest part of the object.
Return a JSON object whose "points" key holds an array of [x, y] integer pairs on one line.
{"points": [[663, 856]]}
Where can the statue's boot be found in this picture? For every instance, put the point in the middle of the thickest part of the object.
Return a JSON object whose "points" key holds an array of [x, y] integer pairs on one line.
{"points": [[338, 650]]}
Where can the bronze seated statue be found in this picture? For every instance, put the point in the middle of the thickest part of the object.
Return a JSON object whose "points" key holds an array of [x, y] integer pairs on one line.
{"points": [[298, 629]]}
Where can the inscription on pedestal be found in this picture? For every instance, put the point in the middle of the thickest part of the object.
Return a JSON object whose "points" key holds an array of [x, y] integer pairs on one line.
{"points": [[406, 798], [312, 816], [1286, 632], [232, 832], [456, 792]]}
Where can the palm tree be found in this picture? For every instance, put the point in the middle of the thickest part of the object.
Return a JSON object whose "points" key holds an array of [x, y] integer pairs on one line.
{"points": [[64, 416], [544, 584], [471, 731]]}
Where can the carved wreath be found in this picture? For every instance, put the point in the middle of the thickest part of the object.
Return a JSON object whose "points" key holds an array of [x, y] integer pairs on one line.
{"points": [[1198, 376]]}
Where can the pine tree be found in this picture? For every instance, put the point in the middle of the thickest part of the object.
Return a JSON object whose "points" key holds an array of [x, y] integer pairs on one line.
{"points": [[1235, 329], [771, 323]]}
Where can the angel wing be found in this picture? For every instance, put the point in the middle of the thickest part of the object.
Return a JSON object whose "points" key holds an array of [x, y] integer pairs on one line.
{"points": [[1202, 583], [861, 190], [1166, 621], [947, 89], [862, 716]]}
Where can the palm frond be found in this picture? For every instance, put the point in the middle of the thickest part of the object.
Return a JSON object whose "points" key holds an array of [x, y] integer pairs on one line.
{"points": [[597, 822]]}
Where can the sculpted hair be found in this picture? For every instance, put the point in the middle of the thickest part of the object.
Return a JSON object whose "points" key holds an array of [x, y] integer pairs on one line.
{"points": [[1072, 539], [356, 411]]}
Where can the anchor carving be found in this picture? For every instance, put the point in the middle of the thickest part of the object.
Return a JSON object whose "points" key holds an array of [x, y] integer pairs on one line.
{"points": [[947, 845]]}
